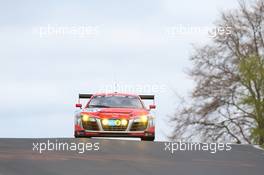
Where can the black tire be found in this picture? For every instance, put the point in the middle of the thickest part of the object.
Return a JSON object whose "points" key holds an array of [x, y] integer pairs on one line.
{"points": [[148, 139], [82, 137], [78, 136]]}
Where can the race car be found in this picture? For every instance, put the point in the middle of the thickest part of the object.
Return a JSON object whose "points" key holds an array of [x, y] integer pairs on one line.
{"points": [[115, 115]]}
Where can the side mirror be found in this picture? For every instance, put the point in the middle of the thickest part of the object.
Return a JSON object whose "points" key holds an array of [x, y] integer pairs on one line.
{"points": [[152, 106], [78, 105]]}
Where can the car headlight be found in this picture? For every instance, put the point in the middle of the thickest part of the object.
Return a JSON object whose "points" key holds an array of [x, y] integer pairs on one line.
{"points": [[143, 118], [87, 118]]}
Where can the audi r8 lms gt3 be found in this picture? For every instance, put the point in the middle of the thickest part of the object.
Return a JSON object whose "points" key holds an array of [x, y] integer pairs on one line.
{"points": [[115, 115]]}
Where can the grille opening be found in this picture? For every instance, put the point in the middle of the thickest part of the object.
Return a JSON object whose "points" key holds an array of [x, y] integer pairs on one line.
{"points": [[90, 125], [139, 126], [114, 128]]}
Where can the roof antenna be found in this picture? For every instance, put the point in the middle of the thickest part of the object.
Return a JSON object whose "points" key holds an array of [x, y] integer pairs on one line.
{"points": [[115, 87], [115, 83]]}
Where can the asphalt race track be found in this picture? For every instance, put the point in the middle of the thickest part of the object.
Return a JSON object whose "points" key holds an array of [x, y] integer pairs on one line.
{"points": [[126, 157]]}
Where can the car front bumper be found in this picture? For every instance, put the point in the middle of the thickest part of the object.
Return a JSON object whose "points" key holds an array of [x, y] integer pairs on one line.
{"points": [[100, 131], [88, 133]]}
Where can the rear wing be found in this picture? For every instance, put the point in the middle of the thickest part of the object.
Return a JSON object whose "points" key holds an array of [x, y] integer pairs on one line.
{"points": [[143, 97], [147, 97], [85, 95]]}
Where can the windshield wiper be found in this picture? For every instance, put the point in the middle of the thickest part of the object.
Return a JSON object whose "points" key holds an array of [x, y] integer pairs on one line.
{"points": [[99, 106]]}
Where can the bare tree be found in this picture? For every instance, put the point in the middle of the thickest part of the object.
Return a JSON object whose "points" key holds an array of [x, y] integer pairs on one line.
{"points": [[227, 103]]}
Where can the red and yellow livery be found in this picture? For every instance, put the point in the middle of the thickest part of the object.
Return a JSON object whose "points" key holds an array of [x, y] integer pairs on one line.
{"points": [[115, 115]]}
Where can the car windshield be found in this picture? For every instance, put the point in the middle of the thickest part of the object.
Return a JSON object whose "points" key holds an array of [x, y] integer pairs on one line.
{"points": [[114, 101]]}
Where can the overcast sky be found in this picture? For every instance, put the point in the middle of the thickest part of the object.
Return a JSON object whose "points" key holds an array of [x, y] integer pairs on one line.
{"points": [[51, 51]]}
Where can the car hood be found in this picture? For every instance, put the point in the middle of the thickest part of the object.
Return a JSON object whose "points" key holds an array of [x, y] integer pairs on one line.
{"points": [[115, 112]]}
